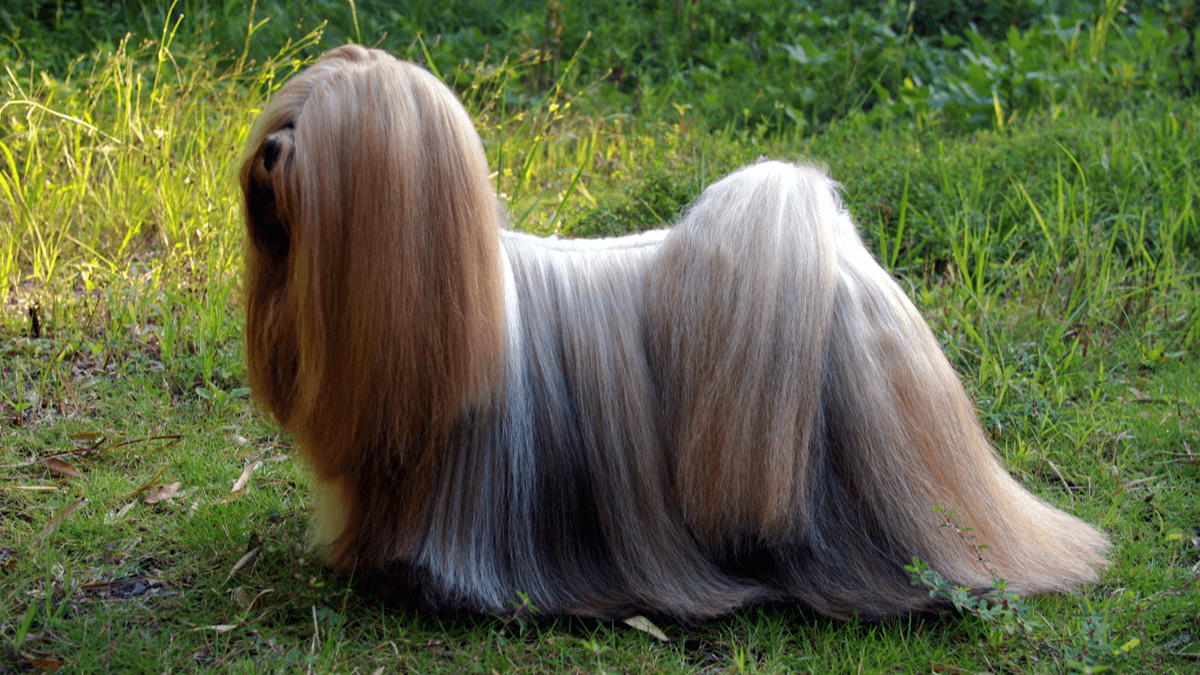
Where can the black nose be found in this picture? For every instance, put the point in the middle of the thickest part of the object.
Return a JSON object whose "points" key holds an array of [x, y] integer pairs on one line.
{"points": [[270, 153]]}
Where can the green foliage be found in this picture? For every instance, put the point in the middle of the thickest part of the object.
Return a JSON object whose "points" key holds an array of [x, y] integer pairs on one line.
{"points": [[656, 201], [1034, 189], [1008, 624], [736, 63], [1008, 620]]}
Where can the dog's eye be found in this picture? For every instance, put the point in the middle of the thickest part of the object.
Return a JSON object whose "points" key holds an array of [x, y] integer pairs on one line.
{"points": [[270, 153]]}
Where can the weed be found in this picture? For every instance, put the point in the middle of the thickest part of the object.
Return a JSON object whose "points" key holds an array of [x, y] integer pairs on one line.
{"points": [[1009, 621]]}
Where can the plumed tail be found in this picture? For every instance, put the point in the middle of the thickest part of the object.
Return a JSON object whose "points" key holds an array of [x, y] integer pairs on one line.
{"points": [[816, 423], [913, 442]]}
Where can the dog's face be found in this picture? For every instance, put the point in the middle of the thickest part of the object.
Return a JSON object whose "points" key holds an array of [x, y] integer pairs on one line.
{"points": [[268, 229]]}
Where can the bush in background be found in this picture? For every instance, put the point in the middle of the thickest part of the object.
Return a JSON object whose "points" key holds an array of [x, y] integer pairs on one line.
{"points": [[744, 64]]}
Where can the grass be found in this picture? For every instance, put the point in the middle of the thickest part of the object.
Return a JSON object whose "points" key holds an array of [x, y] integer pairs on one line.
{"points": [[1054, 255]]}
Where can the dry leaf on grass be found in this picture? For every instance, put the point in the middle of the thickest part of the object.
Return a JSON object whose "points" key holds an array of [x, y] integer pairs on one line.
{"points": [[88, 442], [240, 483], [44, 664], [242, 562], [220, 628], [58, 466], [643, 624], [163, 492]]}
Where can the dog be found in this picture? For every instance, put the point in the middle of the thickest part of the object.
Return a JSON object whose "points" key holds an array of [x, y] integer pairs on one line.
{"points": [[743, 408]]}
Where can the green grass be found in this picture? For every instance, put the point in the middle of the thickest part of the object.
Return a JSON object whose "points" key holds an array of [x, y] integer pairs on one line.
{"points": [[1054, 255]]}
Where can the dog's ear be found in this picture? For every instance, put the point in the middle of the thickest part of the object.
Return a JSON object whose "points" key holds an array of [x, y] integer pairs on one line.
{"points": [[267, 180], [266, 184], [271, 149], [275, 147]]}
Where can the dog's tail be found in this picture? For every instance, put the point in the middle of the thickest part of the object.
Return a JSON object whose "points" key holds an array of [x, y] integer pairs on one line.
{"points": [[816, 423]]}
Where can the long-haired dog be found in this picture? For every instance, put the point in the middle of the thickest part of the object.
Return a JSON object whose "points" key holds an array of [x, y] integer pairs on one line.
{"points": [[743, 408]]}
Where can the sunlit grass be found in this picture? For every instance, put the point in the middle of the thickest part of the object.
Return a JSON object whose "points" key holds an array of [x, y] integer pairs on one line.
{"points": [[1055, 258]]}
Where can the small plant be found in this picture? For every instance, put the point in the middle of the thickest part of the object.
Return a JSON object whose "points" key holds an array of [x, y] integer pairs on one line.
{"points": [[1004, 614], [1008, 619]]}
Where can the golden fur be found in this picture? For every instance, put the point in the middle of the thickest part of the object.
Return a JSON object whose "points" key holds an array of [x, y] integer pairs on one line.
{"points": [[743, 408]]}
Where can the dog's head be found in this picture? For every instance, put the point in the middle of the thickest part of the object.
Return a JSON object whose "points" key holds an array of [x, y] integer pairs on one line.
{"points": [[360, 135], [373, 279]]}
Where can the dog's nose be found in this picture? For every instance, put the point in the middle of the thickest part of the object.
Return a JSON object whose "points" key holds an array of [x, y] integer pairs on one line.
{"points": [[270, 153]]}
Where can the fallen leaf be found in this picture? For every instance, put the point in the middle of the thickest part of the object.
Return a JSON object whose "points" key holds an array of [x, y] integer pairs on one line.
{"points": [[58, 466], [59, 518], [643, 624], [86, 436], [220, 628], [44, 664], [242, 562], [163, 492], [240, 483]]}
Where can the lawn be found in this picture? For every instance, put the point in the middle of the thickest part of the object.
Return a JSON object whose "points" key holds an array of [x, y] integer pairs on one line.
{"points": [[1033, 186]]}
